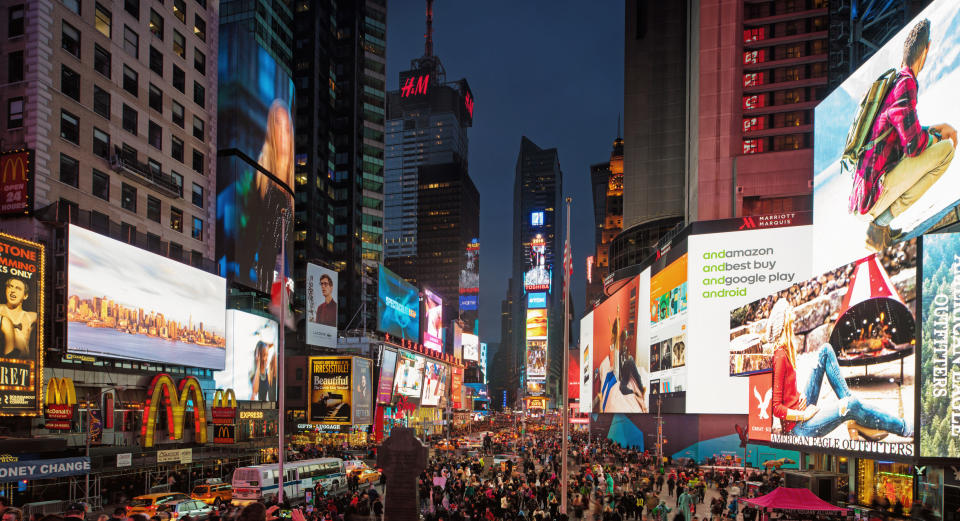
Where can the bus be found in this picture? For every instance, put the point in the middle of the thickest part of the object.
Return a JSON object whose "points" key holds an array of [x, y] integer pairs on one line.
{"points": [[259, 482]]}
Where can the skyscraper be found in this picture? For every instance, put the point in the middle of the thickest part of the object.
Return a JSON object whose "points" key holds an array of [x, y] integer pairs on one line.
{"points": [[537, 254], [607, 182]]}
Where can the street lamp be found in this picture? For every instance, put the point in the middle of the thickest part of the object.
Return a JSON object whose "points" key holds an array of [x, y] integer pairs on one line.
{"points": [[86, 485]]}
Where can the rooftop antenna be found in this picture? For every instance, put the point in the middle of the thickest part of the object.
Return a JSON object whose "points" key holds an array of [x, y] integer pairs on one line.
{"points": [[618, 125], [428, 46]]}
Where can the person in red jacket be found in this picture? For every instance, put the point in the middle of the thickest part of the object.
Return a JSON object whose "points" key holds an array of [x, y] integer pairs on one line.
{"points": [[799, 414]]}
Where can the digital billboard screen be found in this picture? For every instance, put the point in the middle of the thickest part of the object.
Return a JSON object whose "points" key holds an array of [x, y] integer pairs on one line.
{"points": [[586, 363], [125, 302], [250, 368], [331, 394], [398, 306], [620, 379], [362, 391], [536, 300], [456, 387], [536, 324], [21, 325], [536, 359], [409, 374], [434, 383], [539, 271], [388, 367], [827, 341], [471, 346], [432, 321], [727, 270], [667, 319], [321, 306], [470, 272], [255, 166], [889, 175]]}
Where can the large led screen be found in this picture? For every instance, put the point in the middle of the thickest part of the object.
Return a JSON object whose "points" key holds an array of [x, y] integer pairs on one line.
{"points": [[456, 386], [536, 323], [21, 325], [841, 348], [388, 367], [434, 383], [667, 342], [432, 320], [409, 374], [539, 270], [362, 391], [250, 368], [726, 271], [398, 306], [939, 364], [536, 359], [620, 383], [331, 394], [471, 346], [321, 306], [125, 302], [586, 363], [904, 182], [255, 166]]}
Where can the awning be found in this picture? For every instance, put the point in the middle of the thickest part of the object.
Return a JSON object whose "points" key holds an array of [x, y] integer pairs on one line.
{"points": [[794, 499]]}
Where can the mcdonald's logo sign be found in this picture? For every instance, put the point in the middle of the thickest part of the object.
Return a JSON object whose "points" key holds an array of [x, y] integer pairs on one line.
{"points": [[224, 434], [61, 398], [16, 169], [224, 409], [163, 393]]}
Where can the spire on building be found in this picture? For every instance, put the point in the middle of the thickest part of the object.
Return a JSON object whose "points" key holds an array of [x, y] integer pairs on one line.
{"points": [[428, 45]]}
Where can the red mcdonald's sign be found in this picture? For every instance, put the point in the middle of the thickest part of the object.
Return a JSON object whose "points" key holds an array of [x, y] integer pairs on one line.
{"points": [[16, 182]]}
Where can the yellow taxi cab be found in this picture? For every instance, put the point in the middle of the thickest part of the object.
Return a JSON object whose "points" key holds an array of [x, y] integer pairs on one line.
{"points": [[213, 493], [148, 503], [368, 476]]}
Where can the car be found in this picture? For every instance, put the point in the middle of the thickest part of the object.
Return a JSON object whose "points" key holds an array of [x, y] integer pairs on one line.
{"points": [[213, 493], [148, 503], [181, 508], [353, 466], [368, 476]]}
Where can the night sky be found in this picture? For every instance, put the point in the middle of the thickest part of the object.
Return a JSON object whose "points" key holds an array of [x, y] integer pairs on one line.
{"points": [[549, 70]]}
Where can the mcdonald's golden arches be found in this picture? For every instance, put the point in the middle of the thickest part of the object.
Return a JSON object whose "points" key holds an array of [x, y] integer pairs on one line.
{"points": [[60, 400], [163, 393]]}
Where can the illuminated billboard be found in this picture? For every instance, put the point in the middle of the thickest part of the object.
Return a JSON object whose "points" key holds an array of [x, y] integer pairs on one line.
{"points": [[321, 306], [536, 359], [889, 175], [409, 377], [620, 380], [432, 321], [470, 273], [537, 300], [537, 276], [250, 368], [125, 302], [456, 387], [398, 306], [586, 363], [16, 182], [362, 391], [21, 326], [826, 341], [388, 367], [434, 383], [667, 342], [536, 324], [331, 392], [255, 166], [471, 346]]}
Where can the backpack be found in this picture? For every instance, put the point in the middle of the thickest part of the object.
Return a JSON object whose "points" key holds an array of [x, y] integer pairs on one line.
{"points": [[858, 137]]}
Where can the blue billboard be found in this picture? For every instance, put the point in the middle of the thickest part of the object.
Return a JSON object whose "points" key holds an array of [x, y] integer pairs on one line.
{"points": [[536, 300], [398, 306], [468, 302]]}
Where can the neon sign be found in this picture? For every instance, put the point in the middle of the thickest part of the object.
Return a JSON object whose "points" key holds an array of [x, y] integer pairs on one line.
{"points": [[176, 400], [468, 101], [417, 85]]}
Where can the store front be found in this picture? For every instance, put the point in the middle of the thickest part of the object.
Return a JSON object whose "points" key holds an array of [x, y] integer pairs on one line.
{"points": [[884, 483]]}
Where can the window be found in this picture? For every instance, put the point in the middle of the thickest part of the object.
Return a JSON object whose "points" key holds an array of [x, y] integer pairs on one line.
{"points": [[197, 231], [15, 21], [101, 60], [196, 259], [130, 80], [101, 185], [69, 82], [180, 10], [101, 143], [176, 219], [176, 113], [154, 167], [752, 146], [153, 242], [131, 42], [197, 195], [179, 44], [129, 119], [132, 7], [70, 39], [155, 135], [15, 112], [176, 148], [73, 5], [99, 222], [177, 180], [200, 27], [103, 19], [69, 171], [128, 197], [128, 233], [156, 61], [197, 161], [179, 79], [199, 61], [199, 94], [153, 208], [69, 127], [789, 142], [156, 98], [751, 124], [101, 102], [156, 24], [15, 66], [203, 3], [176, 251], [198, 128]]}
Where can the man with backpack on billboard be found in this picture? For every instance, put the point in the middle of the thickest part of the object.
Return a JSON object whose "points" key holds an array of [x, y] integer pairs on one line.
{"points": [[896, 159]]}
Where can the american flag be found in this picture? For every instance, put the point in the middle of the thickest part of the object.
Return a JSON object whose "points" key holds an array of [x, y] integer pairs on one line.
{"points": [[567, 267]]}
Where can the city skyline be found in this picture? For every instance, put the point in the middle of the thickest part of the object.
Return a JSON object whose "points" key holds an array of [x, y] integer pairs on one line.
{"points": [[103, 312]]}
